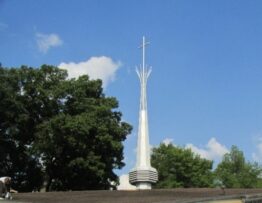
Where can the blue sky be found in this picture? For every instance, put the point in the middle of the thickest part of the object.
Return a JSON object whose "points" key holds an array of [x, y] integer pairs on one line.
{"points": [[205, 88]]}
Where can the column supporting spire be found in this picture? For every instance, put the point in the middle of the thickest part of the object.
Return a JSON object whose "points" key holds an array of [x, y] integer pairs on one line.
{"points": [[143, 175]]}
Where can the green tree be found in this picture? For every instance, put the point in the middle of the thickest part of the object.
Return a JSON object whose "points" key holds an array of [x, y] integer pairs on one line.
{"points": [[235, 172], [84, 131], [82, 145], [180, 167], [19, 115]]}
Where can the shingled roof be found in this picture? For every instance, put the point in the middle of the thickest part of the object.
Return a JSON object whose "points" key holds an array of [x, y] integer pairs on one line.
{"points": [[148, 196]]}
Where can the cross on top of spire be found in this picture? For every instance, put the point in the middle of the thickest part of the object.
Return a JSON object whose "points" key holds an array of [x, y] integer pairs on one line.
{"points": [[143, 46]]}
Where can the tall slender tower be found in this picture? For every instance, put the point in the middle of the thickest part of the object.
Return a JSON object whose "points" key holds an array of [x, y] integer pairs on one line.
{"points": [[143, 175]]}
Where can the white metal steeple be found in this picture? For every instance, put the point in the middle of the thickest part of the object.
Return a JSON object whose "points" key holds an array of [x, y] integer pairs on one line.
{"points": [[143, 175]]}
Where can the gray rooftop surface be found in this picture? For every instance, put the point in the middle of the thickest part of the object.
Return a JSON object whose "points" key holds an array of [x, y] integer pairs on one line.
{"points": [[148, 196]]}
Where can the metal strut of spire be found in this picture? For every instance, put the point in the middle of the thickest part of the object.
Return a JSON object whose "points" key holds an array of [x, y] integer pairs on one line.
{"points": [[143, 175]]}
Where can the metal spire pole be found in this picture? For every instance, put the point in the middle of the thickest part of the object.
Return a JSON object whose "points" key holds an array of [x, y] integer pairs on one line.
{"points": [[143, 175], [144, 52]]}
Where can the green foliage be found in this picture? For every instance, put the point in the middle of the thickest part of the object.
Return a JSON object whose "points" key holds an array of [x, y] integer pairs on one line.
{"points": [[18, 118], [179, 167], [64, 130], [235, 172], [259, 182]]}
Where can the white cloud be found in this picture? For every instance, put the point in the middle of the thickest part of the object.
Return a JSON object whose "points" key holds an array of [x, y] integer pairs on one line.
{"points": [[47, 41], [167, 141], [212, 151], [124, 183], [257, 156], [96, 67]]}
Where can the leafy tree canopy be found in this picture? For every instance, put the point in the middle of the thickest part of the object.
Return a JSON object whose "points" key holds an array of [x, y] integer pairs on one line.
{"points": [[179, 167], [64, 131], [235, 172]]}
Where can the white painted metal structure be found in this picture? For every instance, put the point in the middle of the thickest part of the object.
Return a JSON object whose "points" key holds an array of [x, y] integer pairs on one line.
{"points": [[143, 175]]}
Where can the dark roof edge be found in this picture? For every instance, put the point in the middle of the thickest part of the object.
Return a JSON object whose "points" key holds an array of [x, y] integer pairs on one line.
{"points": [[244, 198]]}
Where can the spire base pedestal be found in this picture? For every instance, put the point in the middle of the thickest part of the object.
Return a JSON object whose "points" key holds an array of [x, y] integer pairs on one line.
{"points": [[143, 178]]}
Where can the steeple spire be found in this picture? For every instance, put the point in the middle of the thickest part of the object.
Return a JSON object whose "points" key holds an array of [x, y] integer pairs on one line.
{"points": [[143, 175], [143, 46]]}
